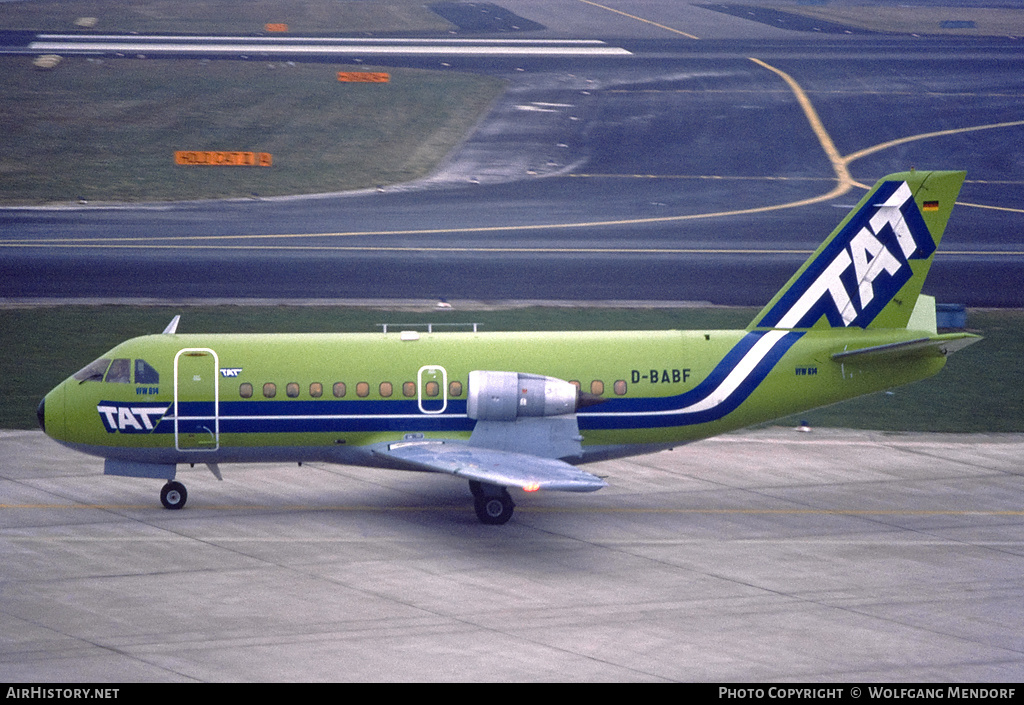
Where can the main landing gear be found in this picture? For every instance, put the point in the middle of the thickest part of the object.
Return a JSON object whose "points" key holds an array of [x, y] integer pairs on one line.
{"points": [[493, 504], [173, 495]]}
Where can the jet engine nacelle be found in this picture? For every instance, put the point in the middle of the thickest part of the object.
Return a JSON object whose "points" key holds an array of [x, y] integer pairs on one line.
{"points": [[505, 396]]}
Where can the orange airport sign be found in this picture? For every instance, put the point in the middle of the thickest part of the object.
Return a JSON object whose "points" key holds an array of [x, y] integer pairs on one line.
{"points": [[276, 27], [363, 77], [197, 158]]}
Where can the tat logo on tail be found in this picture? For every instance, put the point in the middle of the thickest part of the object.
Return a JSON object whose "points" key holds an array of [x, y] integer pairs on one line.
{"points": [[861, 268]]}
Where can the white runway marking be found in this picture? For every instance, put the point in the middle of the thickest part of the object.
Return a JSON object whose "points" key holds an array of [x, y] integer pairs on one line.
{"points": [[198, 45]]}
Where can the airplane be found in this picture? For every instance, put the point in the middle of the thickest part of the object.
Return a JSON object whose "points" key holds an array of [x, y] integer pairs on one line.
{"points": [[523, 410]]}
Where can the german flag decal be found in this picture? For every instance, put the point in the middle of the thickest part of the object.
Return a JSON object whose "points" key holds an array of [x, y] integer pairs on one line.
{"points": [[930, 206]]}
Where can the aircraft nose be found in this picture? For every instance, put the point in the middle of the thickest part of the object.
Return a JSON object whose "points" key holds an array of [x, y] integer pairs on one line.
{"points": [[50, 413]]}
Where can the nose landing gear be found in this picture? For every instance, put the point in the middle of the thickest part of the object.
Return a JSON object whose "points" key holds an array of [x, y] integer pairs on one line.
{"points": [[173, 495]]}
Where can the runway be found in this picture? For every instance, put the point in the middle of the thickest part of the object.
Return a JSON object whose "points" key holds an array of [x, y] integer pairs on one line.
{"points": [[765, 556], [603, 177]]}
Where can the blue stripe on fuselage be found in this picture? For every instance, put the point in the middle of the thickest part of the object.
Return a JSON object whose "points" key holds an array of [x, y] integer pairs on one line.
{"points": [[672, 411], [403, 415]]}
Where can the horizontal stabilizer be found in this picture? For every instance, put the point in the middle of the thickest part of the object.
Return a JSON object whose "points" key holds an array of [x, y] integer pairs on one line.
{"points": [[495, 467], [935, 346]]}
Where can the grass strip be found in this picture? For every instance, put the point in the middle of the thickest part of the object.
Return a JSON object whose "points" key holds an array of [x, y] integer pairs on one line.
{"points": [[107, 129], [245, 17]]}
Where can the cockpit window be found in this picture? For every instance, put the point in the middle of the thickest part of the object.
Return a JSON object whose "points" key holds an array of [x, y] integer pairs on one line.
{"points": [[145, 374], [94, 370], [120, 371]]}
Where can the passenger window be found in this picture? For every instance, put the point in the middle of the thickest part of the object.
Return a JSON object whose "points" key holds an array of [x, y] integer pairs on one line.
{"points": [[316, 390], [292, 389], [620, 387], [363, 389], [339, 389], [120, 371], [94, 370], [270, 390], [597, 387], [409, 389], [385, 389], [145, 374], [245, 390], [432, 389], [455, 389]]}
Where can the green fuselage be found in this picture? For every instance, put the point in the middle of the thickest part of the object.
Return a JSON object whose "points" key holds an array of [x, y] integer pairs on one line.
{"points": [[222, 398]]}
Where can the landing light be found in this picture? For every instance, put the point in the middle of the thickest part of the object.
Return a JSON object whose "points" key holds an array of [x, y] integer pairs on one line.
{"points": [[531, 487]]}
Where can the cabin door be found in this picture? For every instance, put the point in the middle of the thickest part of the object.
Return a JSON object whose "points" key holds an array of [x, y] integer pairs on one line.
{"points": [[196, 400], [432, 389]]}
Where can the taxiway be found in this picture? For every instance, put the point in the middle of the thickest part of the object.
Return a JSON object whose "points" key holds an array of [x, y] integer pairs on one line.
{"points": [[764, 556]]}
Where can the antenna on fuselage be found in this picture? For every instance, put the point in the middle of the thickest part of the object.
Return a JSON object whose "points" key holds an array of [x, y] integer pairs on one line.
{"points": [[172, 326]]}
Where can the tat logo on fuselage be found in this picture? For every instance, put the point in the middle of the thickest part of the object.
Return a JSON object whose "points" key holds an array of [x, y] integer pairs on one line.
{"points": [[230, 371], [131, 418], [862, 268]]}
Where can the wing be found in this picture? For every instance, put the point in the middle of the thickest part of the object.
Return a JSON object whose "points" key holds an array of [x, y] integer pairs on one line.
{"points": [[496, 467]]}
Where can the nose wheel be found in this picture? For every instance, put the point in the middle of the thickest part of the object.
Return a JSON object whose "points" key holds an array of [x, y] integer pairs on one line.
{"points": [[493, 504], [173, 495]]}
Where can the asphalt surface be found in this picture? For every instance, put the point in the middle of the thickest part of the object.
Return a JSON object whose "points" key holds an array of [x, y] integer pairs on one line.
{"points": [[764, 556], [600, 177], [768, 556]]}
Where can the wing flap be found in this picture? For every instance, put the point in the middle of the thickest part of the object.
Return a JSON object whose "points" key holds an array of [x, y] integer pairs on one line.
{"points": [[496, 467], [938, 345]]}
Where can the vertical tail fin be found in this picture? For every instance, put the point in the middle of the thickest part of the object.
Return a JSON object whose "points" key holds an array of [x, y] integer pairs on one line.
{"points": [[870, 270]]}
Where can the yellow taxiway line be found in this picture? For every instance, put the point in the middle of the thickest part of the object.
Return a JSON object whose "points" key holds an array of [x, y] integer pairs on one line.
{"points": [[640, 19]]}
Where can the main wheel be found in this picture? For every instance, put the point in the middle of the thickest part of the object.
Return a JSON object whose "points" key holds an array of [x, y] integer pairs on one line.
{"points": [[494, 510], [173, 495]]}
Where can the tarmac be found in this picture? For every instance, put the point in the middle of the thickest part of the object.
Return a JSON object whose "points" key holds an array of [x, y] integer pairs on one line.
{"points": [[763, 556]]}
